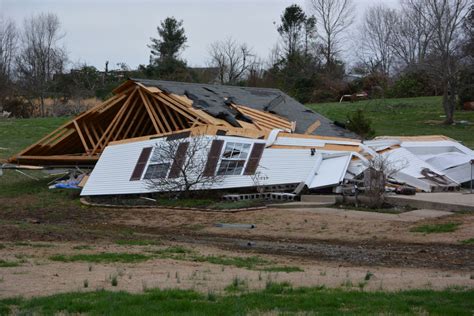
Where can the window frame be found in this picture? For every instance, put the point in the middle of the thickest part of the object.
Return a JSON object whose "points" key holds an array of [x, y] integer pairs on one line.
{"points": [[222, 159], [158, 161]]}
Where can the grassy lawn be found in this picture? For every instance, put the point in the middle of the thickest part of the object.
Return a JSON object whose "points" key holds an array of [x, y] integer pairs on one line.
{"points": [[436, 228], [16, 134], [410, 116], [277, 298]]}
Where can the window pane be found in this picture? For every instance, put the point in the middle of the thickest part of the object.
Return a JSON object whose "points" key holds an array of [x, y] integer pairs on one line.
{"points": [[231, 167], [245, 151], [157, 156], [239, 167], [236, 151], [157, 171], [223, 167], [228, 150]]}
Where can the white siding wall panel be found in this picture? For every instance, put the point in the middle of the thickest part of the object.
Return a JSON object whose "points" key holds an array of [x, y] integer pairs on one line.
{"points": [[112, 172], [331, 172]]}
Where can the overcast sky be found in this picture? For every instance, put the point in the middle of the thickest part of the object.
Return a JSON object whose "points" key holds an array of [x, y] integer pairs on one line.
{"points": [[119, 30]]}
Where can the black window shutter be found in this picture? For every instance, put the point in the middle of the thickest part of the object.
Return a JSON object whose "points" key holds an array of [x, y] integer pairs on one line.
{"points": [[179, 160], [213, 158], [141, 163], [254, 159]]}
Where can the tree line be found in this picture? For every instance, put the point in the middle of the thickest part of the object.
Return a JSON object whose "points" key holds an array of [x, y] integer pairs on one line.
{"points": [[424, 47]]}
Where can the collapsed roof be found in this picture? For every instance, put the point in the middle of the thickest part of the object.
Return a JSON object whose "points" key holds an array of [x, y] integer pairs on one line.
{"points": [[214, 100], [144, 108]]}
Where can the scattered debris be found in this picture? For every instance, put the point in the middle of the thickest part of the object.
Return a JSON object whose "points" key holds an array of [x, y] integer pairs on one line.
{"points": [[238, 226]]}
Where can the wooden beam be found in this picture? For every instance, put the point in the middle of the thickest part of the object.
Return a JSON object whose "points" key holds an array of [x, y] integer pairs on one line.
{"points": [[124, 120], [140, 122], [155, 103], [163, 99], [151, 113], [88, 134], [133, 120], [81, 136], [312, 127], [106, 135]]}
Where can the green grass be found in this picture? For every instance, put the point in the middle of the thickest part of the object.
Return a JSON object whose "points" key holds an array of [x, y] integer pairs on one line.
{"points": [[16, 134], [275, 299], [469, 241], [436, 228], [250, 263], [8, 264], [102, 257], [286, 269], [126, 242], [237, 285], [405, 117], [209, 203], [33, 245], [83, 247]]}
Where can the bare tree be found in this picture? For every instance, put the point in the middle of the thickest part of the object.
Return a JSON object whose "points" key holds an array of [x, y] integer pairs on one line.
{"points": [[376, 177], [446, 18], [178, 166], [411, 36], [233, 60], [377, 37], [8, 40], [333, 17], [41, 55]]}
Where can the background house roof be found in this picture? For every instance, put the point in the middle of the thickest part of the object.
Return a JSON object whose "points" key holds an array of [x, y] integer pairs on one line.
{"points": [[214, 99]]}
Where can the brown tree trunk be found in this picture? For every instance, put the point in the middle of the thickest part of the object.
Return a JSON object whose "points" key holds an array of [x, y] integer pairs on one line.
{"points": [[448, 107]]}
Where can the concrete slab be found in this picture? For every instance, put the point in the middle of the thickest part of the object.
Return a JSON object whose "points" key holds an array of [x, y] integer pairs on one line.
{"points": [[444, 201], [426, 214], [308, 205], [411, 216]]}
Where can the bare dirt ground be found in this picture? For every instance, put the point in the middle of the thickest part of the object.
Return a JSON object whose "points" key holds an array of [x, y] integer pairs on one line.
{"points": [[332, 247]]}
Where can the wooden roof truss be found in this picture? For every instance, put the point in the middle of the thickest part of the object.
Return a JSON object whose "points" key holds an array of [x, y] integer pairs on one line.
{"points": [[134, 111]]}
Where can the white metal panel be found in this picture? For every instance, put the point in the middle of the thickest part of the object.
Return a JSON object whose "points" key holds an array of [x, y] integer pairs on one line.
{"points": [[293, 141], [331, 172], [402, 160], [436, 147], [461, 173], [448, 160], [412, 181], [112, 172]]}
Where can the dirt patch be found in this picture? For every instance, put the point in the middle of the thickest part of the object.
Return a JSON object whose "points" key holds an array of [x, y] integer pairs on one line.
{"points": [[333, 247], [45, 277]]}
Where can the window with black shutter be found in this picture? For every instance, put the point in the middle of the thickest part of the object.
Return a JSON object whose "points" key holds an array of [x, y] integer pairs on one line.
{"points": [[233, 159], [213, 158], [254, 159], [141, 163], [179, 160]]}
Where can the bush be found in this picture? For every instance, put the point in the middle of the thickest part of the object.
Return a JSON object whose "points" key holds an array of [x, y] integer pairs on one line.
{"points": [[412, 84], [18, 108], [466, 86], [360, 124]]}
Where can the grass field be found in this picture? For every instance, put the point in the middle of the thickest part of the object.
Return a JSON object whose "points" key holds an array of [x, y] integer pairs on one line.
{"points": [[275, 299], [410, 116]]}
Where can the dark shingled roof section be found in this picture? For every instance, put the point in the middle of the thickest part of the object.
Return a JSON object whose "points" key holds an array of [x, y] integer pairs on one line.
{"points": [[214, 98]]}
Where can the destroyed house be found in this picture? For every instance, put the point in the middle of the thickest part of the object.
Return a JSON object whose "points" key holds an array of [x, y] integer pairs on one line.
{"points": [[253, 137], [144, 108]]}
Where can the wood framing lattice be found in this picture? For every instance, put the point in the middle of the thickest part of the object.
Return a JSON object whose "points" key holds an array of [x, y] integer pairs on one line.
{"points": [[135, 111]]}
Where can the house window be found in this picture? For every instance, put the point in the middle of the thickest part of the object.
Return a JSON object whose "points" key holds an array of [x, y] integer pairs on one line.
{"points": [[157, 171], [233, 159], [158, 166]]}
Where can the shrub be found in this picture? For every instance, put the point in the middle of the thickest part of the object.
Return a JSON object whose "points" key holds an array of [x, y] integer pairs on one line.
{"points": [[18, 108], [360, 124]]}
